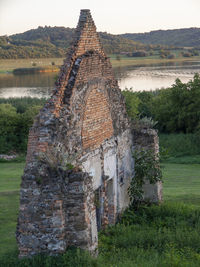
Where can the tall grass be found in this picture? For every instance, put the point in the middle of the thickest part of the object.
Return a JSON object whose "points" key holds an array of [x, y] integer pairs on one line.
{"points": [[166, 235], [180, 148], [156, 236]]}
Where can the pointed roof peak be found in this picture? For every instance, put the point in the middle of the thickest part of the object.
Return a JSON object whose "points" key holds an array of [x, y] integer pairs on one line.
{"points": [[84, 14], [85, 11], [86, 37], [85, 17]]}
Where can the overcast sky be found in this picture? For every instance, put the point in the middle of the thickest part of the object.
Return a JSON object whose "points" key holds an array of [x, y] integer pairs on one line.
{"points": [[112, 16]]}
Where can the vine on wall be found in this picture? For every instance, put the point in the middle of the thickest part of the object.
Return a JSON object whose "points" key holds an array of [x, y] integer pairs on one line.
{"points": [[147, 168]]}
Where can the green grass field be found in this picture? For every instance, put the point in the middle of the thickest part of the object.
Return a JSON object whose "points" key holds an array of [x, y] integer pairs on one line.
{"points": [[10, 175], [182, 183], [165, 235]]}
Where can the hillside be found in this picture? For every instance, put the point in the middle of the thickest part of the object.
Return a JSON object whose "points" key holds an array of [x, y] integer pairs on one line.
{"points": [[188, 37], [53, 42], [45, 42]]}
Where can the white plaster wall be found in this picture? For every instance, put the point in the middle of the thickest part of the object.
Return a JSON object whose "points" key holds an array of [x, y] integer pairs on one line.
{"points": [[92, 165], [94, 233], [110, 170], [118, 165], [153, 192], [110, 163], [125, 168]]}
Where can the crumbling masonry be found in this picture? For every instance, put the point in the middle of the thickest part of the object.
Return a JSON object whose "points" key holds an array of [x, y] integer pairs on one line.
{"points": [[79, 160]]}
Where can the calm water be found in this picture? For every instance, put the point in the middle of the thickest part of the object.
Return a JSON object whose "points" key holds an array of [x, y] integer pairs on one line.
{"points": [[151, 77], [141, 77]]}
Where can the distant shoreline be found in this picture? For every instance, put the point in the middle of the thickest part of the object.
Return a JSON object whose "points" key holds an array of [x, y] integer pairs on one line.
{"points": [[126, 61], [19, 71], [43, 65]]}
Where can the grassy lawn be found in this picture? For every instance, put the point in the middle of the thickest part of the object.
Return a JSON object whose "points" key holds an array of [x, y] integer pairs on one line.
{"points": [[182, 183], [10, 175], [165, 235]]}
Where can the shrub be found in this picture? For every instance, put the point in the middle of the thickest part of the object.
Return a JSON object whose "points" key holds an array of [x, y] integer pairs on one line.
{"points": [[171, 56], [140, 53], [186, 54], [15, 121], [179, 145], [132, 103]]}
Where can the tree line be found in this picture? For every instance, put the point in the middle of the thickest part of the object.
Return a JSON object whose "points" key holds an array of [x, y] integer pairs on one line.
{"points": [[175, 109]]}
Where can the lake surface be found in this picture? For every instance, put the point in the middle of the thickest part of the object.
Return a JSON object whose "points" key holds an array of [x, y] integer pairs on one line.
{"points": [[139, 78]]}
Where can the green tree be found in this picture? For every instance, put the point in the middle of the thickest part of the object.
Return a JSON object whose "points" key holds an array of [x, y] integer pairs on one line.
{"points": [[132, 103], [177, 108], [14, 127]]}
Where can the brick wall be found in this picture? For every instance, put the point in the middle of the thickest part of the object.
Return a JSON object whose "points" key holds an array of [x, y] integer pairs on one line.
{"points": [[97, 123], [85, 39]]}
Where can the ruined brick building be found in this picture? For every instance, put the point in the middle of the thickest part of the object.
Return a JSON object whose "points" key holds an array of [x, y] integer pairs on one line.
{"points": [[79, 159]]}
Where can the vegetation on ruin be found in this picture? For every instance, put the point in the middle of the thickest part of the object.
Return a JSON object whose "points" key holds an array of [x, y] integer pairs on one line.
{"points": [[165, 235], [146, 169]]}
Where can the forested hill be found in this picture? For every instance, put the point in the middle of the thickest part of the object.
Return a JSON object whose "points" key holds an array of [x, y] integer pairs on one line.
{"points": [[189, 37], [53, 41]]}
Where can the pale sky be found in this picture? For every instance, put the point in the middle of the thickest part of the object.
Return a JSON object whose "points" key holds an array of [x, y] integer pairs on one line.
{"points": [[112, 16]]}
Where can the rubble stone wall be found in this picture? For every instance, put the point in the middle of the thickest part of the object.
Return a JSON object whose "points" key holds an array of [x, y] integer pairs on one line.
{"points": [[77, 145], [79, 160]]}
